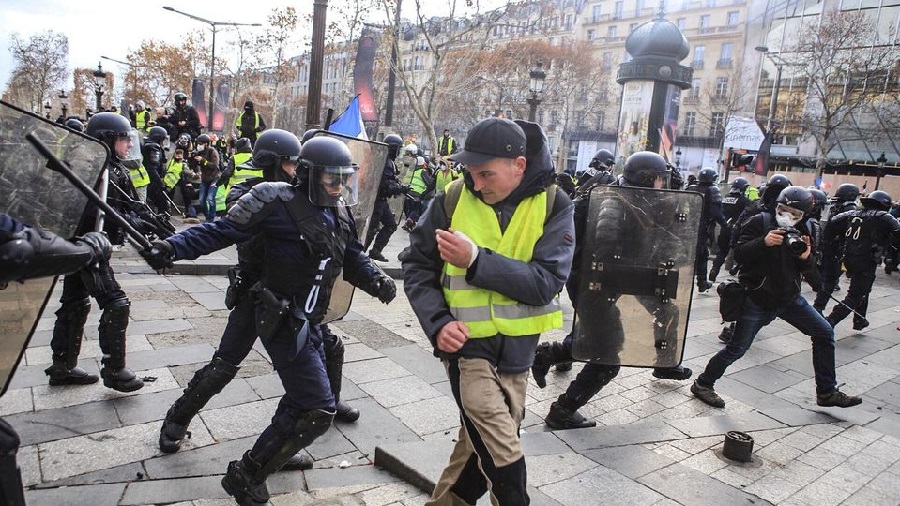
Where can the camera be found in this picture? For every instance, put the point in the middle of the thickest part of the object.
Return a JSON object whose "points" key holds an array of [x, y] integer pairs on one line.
{"points": [[794, 241]]}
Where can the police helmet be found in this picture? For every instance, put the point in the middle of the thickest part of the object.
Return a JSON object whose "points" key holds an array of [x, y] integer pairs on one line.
{"points": [[393, 140], [644, 167], [779, 180], [847, 192], [327, 164], [308, 134], [107, 127], [819, 198], [602, 159], [180, 98], [740, 184], [74, 124], [707, 175], [157, 134], [773, 188], [797, 197], [140, 105], [271, 147], [243, 145], [203, 139], [878, 199]]}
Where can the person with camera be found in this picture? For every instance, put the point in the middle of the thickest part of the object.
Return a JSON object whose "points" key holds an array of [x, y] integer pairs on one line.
{"points": [[773, 251], [205, 159], [871, 235]]}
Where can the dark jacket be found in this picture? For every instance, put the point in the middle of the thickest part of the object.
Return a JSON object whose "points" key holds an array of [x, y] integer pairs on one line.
{"points": [[535, 282]]}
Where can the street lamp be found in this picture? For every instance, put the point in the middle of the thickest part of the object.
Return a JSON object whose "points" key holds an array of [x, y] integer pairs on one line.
{"points": [[99, 81], [48, 108], [678, 158], [881, 161], [776, 85], [132, 72], [536, 87], [63, 103], [212, 61]]}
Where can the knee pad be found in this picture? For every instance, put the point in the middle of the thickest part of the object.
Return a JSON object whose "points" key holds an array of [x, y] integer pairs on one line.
{"points": [[115, 300], [334, 345], [75, 309], [303, 426]]}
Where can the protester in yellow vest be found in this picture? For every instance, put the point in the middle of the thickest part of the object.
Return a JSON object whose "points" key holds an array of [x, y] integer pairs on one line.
{"points": [[238, 170], [143, 119], [445, 175], [249, 122], [483, 277]]}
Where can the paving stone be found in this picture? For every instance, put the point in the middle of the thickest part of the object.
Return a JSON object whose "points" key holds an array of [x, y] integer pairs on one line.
{"points": [[601, 485], [47, 397], [239, 421], [428, 415], [688, 486], [120, 474], [52, 424], [772, 488], [332, 443], [87, 495], [618, 435], [818, 493], [358, 351], [168, 357], [266, 386], [546, 469], [16, 401], [29, 465], [150, 327], [887, 424], [420, 362], [853, 348], [766, 378], [149, 407], [396, 391], [78, 455], [380, 427], [193, 284], [373, 370], [795, 417], [355, 475], [27, 376], [371, 334], [700, 427], [542, 443], [197, 461], [167, 491], [632, 461], [213, 301]]}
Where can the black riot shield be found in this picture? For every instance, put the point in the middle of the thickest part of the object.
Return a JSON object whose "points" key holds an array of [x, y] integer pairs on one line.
{"points": [[37, 196], [370, 156], [635, 276]]}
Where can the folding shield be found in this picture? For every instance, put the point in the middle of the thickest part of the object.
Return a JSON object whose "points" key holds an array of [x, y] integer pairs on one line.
{"points": [[636, 272], [370, 156], [37, 196]]}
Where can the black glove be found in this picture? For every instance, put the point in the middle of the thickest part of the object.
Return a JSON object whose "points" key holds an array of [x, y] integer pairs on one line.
{"points": [[385, 289], [99, 244], [160, 256]]}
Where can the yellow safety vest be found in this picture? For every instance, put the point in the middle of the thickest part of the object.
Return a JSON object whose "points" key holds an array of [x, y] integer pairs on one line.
{"points": [[441, 180], [445, 145], [221, 197], [487, 313], [415, 181], [173, 173], [141, 120], [240, 120], [139, 177], [243, 172]]}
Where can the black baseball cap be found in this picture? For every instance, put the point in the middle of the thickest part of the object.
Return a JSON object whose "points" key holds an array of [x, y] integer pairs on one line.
{"points": [[492, 138]]}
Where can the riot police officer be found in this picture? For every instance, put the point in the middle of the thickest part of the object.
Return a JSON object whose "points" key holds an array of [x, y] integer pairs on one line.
{"points": [[184, 118], [99, 282], [27, 253], [153, 152], [832, 246], [871, 235], [712, 214], [733, 205], [389, 187], [293, 292], [643, 169], [600, 166]]}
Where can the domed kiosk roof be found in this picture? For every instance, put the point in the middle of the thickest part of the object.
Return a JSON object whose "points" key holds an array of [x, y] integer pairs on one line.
{"points": [[659, 38]]}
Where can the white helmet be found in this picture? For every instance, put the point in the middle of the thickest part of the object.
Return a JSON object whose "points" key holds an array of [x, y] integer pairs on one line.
{"points": [[411, 149]]}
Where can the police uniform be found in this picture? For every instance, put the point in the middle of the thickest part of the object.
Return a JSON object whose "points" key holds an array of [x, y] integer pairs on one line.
{"points": [[712, 214], [832, 251], [733, 205], [383, 223]]}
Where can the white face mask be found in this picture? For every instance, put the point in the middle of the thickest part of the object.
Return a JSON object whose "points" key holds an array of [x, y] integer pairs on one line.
{"points": [[786, 220]]}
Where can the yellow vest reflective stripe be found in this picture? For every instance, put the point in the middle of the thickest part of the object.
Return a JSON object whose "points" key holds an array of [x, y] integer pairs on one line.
{"points": [[445, 145], [485, 312], [141, 118], [139, 177], [441, 180], [415, 181], [173, 173], [221, 195], [243, 172], [240, 120]]}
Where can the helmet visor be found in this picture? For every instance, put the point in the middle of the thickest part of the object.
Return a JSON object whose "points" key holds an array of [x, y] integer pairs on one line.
{"points": [[334, 185], [134, 152]]}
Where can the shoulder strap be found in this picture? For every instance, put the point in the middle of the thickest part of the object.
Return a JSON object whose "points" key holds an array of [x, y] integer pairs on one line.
{"points": [[767, 220], [454, 190]]}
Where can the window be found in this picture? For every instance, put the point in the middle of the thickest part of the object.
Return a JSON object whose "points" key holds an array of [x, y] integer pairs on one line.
{"points": [[619, 8], [725, 55], [695, 88], [607, 60], [732, 18], [699, 53], [595, 14], [681, 23], [638, 8], [568, 22], [717, 124], [704, 21], [690, 122], [591, 34], [612, 32], [721, 87], [631, 27]]}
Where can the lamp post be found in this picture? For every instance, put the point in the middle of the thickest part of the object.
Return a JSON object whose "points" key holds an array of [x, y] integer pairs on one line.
{"points": [[212, 60], [132, 72], [99, 81], [536, 87], [48, 108], [63, 103], [678, 158], [881, 161]]}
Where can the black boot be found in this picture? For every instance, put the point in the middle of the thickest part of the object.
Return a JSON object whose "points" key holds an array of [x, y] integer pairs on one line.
{"points": [[112, 339], [299, 462], [334, 367], [678, 372], [546, 356], [242, 482], [713, 272], [564, 367], [377, 256], [68, 332], [702, 283], [564, 415], [207, 382]]}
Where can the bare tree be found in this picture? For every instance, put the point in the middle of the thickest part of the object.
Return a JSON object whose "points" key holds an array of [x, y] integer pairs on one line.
{"points": [[40, 67], [158, 71], [844, 70], [272, 49]]}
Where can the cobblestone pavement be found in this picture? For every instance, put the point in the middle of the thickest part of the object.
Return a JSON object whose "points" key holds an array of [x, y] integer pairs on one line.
{"points": [[654, 444]]}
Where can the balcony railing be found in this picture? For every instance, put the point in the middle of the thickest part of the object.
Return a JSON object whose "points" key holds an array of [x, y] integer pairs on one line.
{"points": [[725, 64], [698, 64]]}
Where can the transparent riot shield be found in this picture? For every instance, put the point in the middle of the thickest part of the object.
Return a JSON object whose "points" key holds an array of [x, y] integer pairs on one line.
{"points": [[370, 156], [635, 276], [37, 196], [405, 165]]}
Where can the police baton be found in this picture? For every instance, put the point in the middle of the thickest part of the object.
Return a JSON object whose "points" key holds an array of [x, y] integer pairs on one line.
{"points": [[861, 317], [57, 165]]}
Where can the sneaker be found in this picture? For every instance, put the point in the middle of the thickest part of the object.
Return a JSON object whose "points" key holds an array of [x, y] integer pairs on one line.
{"points": [[377, 256], [672, 373], [345, 413], [707, 395], [560, 418], [859, 325], [838, 399], [298, 462]]}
